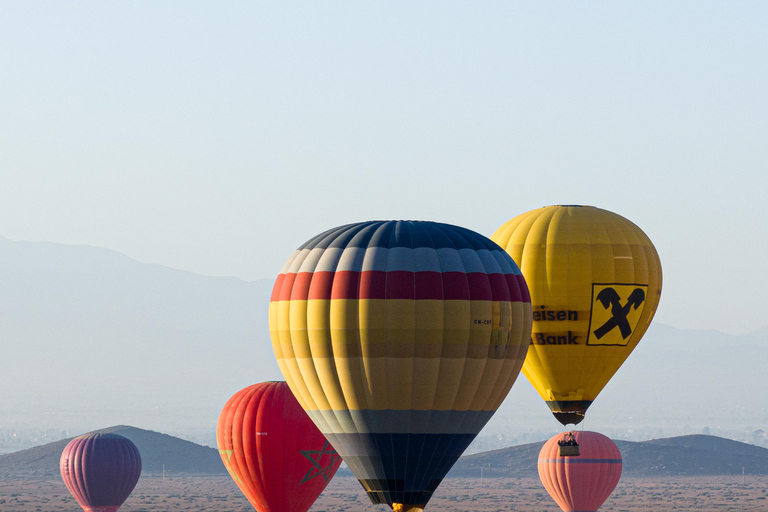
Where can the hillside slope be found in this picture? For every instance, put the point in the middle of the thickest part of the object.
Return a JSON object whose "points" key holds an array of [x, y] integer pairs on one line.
{"points": [[696, 455], [158, 452]]}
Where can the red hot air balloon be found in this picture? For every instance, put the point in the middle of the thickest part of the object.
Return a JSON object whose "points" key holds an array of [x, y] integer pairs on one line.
{"points": [[100, 470], [580, 483], [276, 455]]}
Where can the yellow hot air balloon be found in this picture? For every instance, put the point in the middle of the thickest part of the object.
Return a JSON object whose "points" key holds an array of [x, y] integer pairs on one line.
{"points": [[595, 282]]}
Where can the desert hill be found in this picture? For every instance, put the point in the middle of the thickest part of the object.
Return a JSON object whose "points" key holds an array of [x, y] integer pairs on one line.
{"points": [[156, 449], [694, 455]]}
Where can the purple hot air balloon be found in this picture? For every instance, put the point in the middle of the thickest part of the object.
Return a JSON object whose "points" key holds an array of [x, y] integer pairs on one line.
{"points": [[100, 470]]}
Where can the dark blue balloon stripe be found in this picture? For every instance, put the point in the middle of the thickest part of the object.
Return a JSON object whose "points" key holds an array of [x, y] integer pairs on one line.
{"points": [[401, 233], [401, 468]]}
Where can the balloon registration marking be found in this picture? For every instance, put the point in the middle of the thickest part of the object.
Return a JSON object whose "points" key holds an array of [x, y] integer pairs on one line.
{"points": [[616, 310], [317, 467]]}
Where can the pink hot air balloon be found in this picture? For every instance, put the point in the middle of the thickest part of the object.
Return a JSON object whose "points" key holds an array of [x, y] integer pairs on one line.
{"points": [[100, 470], [580, 483]]}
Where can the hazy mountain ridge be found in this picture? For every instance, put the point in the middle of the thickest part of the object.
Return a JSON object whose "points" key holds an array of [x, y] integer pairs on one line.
{"points": [[696, 455], [91, 332], [159, 453], [93, 337]]}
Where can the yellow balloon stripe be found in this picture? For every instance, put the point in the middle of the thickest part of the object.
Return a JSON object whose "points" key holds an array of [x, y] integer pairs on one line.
{"points": [[381, 346]]}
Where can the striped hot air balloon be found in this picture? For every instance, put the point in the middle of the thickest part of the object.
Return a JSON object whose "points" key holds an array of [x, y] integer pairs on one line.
{"points": [[100, 470], [580, 483], [400, 339], [276, 455]]}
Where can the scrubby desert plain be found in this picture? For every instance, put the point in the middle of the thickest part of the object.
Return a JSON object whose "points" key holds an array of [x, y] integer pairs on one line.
{"points": [[344, 494]]}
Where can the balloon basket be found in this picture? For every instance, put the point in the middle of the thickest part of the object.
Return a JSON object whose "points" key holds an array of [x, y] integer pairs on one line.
{"points": [[568, 447]]}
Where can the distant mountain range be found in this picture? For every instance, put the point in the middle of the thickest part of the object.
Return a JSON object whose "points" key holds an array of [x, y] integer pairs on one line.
{"points": [[695, 455], [92, 337], [159, 452]]}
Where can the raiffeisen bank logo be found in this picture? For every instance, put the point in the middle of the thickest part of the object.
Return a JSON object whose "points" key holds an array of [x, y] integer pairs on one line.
{"points": [[616, 310]]}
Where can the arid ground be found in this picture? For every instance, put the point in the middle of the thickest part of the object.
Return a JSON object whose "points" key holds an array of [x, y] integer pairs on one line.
{"points": [[344, 494]]}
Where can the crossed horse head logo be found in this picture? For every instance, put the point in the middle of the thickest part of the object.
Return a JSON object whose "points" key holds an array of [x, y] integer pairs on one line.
{"points": [[615, 313]]}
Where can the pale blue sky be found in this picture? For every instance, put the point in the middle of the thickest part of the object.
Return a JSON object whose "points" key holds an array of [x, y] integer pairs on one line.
{"points": [[216, 137]]}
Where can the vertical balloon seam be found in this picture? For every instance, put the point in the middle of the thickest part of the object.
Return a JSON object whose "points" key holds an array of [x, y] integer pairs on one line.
{"points": [[135, 459], [77, 458], [277, 395], [412, 401], [265, 424], [533, 353], [121, 454], [246, 441], [599, 487], [540, 227], [294, 501], [236, 461], [545, 470], [286, 337], [430, 474], [523, 253], [236, 419], [426, 474], [309, 266], [465, 375], [355, 366], [559, 476], [328, 261], [421, 459], [597, 220], [260, 422], [86, 455], [393, 235], [343, 236], [484, 375], [261, 432], [361, 241], [592, 480], [626, 228], [304, 264], [73, 465], [578, 368], [125, 455]]}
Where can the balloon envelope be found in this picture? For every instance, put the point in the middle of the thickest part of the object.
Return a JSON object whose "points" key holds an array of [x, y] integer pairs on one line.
{"points": [[595, 283], [276, 455], [400, 339], [100, 470], [584, 482]]}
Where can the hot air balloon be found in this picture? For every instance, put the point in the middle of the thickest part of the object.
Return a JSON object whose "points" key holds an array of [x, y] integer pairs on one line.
{"points": [[276, 455], [100, 470], [400, 339], [595, 283], [580, 483]]}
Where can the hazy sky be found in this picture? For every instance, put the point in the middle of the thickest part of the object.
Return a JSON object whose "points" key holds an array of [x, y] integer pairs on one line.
{"points": [[216, 137]]}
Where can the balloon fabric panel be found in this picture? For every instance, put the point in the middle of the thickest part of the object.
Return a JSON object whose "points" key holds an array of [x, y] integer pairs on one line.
{"points": [[400, 339]]}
